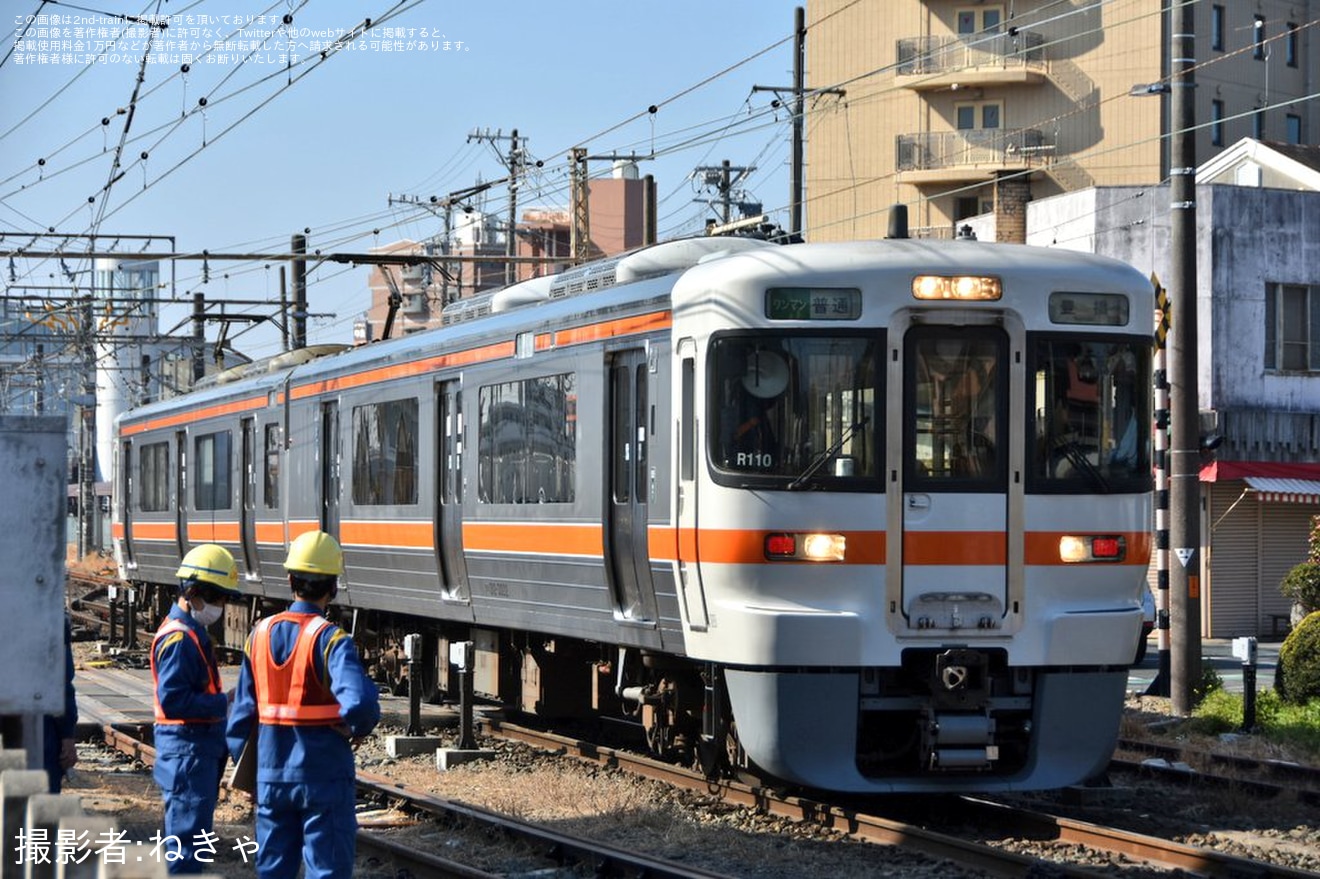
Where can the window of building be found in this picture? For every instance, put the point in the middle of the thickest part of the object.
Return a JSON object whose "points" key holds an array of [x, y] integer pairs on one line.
{"points": [[1217, 28], [1290, 45], [154, 478], [1217, 123], [1294, 128], [1258, 125], [985, 114], [212, 464], [385, 453], [1258, 52], [527, 441], [984, 20], [1292, 328], [271, 492]]}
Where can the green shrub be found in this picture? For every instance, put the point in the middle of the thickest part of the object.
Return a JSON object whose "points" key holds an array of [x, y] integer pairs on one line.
{"points": [[1298, 675], [1302, 585]]}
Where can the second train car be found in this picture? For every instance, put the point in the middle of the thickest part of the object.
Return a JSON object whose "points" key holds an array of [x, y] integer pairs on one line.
{"points": [[866, 517]]}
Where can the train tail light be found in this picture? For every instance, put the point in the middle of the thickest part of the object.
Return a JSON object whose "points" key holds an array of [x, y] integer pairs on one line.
{"points": [[1092, 548], [806, 547]]}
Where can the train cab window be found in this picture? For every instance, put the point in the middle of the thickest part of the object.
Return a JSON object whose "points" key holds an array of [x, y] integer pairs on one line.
{"points": [[795, 411], [1091, 415], [271, 482], [957, 397], [385, 453], [213, 465], [154, 477]]}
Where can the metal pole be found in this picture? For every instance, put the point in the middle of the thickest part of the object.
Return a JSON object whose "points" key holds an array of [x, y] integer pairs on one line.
{"points": [[1184, 470], [299, 248], [467, 740], [799, 50]]}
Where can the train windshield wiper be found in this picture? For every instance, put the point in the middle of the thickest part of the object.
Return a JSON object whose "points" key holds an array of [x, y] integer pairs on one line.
{"points": [[821, 459], [1076, 457]]}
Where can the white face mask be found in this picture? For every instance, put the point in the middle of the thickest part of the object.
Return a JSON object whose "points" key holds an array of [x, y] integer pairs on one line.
{"points": [[207, 615]]}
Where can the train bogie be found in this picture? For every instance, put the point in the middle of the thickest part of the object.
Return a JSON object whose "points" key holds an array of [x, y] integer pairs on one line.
{"points": [[865, 517]]}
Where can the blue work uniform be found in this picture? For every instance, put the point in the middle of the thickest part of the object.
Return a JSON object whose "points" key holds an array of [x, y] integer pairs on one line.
{"points": [[190, 734], [305, 766]]}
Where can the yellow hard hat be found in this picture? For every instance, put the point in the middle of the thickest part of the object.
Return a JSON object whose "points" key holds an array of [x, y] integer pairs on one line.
{"points": [[212, 564], [315, 553]]}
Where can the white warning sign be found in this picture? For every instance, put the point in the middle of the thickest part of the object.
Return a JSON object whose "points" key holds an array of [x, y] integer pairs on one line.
{"points": [[1185, 555]]}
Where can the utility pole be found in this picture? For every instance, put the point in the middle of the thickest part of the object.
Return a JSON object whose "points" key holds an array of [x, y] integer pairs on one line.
{"points": [[87, 509], [798, 148], [579, 234], [723, 178], [514, 163], [1185, 457], [446, 204], [298, 245]]}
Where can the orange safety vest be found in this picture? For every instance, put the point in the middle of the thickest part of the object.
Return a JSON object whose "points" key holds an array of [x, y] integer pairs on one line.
{"points": [[213, 683], [288, 693]]}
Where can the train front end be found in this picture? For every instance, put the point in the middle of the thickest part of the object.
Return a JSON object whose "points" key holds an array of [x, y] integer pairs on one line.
{"points": [[914, 494]]}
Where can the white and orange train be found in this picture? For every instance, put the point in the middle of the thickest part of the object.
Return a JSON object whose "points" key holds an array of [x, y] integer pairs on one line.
{"points": [[862, 517]]}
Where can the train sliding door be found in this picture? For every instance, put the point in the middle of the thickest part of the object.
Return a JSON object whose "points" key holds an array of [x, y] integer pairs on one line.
{"points": [[181, 492], [955, 518], [247, 526], [125, 501], [329, 451], [628, 555], [449, 492]]}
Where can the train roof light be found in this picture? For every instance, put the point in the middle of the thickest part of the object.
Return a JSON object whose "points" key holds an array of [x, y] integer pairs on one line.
{"points": [[967, 288]]}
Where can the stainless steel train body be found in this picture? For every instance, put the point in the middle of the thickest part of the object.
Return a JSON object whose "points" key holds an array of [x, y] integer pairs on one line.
{"points": [[867, 517]]}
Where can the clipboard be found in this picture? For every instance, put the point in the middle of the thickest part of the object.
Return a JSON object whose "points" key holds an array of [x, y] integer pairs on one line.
{"points": [[243, 774]]}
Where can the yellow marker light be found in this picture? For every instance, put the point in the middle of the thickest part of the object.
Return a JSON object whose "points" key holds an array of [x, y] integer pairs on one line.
{"points": [[824, 547], [966, 288], [1073, 549]]}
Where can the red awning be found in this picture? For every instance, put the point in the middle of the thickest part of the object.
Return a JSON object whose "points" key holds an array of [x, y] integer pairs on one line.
{"points": [[1216, 471]]}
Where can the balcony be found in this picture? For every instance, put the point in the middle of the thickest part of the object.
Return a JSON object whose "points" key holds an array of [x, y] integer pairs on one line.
{"points": [[931, 62], [970, 156]]}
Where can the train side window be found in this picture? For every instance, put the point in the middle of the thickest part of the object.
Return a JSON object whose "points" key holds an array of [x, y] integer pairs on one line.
{"points": [[687, 439], [154, 477], [213, 464], [385, 453], [527, 441], [271, 486]]}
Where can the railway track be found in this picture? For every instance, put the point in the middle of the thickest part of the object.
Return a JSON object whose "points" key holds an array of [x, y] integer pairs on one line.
{"points": [[982, 813], [553, 850]]}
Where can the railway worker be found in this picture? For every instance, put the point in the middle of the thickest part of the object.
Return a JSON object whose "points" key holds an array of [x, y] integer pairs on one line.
{"points": [[191, 705], [304, 686]]}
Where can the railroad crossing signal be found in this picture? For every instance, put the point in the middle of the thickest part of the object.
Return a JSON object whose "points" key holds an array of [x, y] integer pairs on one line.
{"points": [[1162, 312]]}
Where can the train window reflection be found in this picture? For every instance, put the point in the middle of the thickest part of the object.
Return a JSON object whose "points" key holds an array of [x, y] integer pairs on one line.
{"points": [[957, 397], [212, 463], [154, 477], [779, 402], [1091, 415], [271, 487], [527, 441], [385, 453]]}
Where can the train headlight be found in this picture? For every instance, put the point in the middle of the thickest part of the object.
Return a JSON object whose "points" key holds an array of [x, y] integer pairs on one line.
{"points": [[806, 547], [973, 288], [1092, 548]]}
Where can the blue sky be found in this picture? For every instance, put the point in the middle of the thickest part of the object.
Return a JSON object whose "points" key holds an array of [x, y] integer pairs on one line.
{"points": [[390, 116]]}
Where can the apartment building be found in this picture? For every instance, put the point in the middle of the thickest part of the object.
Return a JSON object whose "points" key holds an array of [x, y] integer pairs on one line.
{"points": [[960, 108]]}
